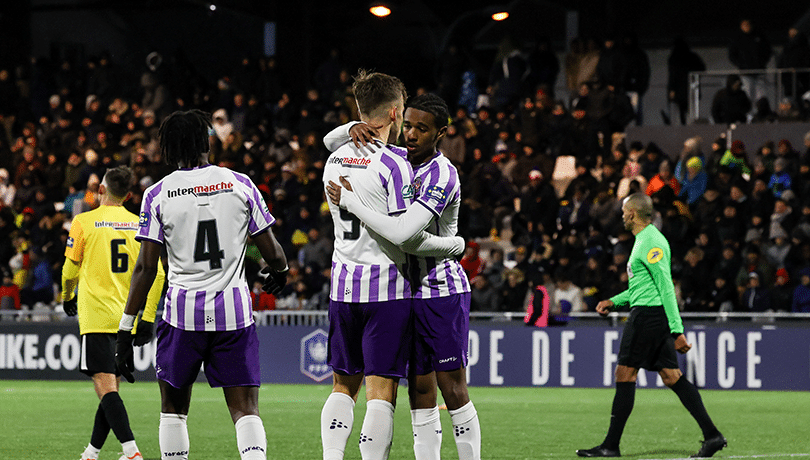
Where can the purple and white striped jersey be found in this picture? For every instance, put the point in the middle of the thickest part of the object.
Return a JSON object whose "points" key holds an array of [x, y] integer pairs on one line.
{"points": [[203, 216], [365, 266], [437, 188]]}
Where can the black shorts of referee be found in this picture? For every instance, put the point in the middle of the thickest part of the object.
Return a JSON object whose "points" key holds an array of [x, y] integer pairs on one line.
{"points": [[646, 341]]}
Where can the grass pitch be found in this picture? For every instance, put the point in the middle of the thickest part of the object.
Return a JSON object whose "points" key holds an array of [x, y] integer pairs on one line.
{"points": [[52, 420]]}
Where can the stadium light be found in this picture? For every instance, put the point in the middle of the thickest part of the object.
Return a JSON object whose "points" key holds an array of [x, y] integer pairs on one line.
{"points": [[380, 10], [500, 15]]}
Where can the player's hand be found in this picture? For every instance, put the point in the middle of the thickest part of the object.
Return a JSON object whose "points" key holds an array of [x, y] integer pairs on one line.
{"points": [[345, 183], [362, 134], [70, 306], [124, 356], [274, 281], [604, 307], [333, 190], [681, 345], [145, 333]]}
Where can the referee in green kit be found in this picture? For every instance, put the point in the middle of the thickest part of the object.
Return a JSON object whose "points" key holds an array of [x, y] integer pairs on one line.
{"points": [[652, 334]]}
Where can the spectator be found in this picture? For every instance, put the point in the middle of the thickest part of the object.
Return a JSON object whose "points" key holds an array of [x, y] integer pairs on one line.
{"points": [[471, 262], [39, 286], [484, 296], [731, 104], [9, 293], [454, 146], [567, 298], [764, 113], [680, 62], [777, 250], [736, 158], [7, 189], [693, 278], [513, 291], [721, 298], [801, 295], [756, 298], [637, 76], [222, 127], [754, 262], [750, 50], [780, 179], [782, 291], [693, 182], [664, 178], [795, 55]]}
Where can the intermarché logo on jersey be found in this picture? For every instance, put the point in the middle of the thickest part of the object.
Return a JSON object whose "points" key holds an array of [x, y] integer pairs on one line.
{"points": [[351, 162], [202, 190]]}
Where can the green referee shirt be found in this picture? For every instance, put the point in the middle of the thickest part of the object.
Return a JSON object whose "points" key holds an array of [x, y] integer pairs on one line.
{"points": [[650, 278]]}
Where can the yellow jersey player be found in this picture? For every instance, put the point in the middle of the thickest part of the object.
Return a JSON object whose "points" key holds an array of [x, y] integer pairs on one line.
{"points": [[100, 256]]}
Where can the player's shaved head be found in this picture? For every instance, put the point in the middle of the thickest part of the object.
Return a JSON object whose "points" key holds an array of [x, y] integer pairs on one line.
{"points": [[641, 204]]}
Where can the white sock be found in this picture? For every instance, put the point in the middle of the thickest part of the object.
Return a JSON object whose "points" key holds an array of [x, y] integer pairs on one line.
{"points": [[130, 448], [250, 438], [173, 437], [337, 418], [427, 433], [467, 431], [377, 431], [91, 452]]}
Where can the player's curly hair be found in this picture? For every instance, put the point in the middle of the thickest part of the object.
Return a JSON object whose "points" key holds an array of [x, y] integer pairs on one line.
{"points": [[184, 137], [118, 181], [373, 89], [432, 104]]}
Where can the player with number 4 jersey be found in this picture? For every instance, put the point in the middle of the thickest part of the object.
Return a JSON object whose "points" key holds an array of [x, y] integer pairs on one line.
{"points": [[207, 289], [203, 216]]}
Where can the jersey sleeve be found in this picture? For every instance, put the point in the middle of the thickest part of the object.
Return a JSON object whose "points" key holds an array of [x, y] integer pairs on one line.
{"points": [[398, 183], [149, 224], [621, 299], [338, 136], [74, 249], [439, 188], [660, 272], [259, 219]]}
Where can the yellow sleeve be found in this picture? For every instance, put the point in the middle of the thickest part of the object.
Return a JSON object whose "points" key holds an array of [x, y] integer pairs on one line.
{"points": [[152, 299], [70, 279], [74, 249]]}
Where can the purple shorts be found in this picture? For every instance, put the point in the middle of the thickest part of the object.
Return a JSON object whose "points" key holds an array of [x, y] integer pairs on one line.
{"points": [[370, 338], [231, 358], [442, 327]]}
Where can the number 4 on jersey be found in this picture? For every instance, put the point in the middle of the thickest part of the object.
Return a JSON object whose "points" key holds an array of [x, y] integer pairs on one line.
{"points": [[207, 244]]}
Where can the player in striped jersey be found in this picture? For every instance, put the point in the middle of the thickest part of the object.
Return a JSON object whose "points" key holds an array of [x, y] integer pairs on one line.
{"points": [[442, 298], [203, 215], [370, 309], [99, 257]]}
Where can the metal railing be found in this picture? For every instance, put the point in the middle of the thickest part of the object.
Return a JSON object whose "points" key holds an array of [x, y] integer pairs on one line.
{"points": [[320, 318], [700, 81]]}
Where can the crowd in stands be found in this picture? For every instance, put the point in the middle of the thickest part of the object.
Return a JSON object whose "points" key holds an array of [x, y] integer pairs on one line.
{"points": [[543, 176]]}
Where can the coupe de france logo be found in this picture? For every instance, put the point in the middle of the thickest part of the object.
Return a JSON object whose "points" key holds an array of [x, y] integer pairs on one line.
{"points": [[313, 355]]}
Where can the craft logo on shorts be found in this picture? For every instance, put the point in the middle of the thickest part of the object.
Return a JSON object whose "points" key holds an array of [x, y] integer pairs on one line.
{"points": [[143, 221], [655, 255], [313, 355]]}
